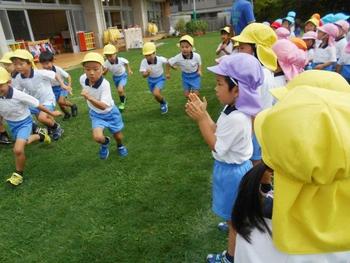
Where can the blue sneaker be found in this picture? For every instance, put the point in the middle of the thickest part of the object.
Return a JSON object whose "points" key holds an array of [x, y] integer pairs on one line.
{"points": [[122, 151], [164, 108], [104, 151], [218, 258], [223, 227], [57, 133]]}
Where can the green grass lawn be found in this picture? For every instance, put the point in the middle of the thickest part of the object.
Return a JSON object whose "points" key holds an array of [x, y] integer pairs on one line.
{"points": [[152, 206]]}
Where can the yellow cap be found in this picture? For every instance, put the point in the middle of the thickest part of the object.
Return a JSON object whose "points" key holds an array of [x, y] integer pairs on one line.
{"points": [[305, 139], [4, 76], [6, 58], [226, 29], [93, 57], [22, 54], [187, 38], [148, 48], [316, 78], [263, 37], [109, 50], [314, 21]]}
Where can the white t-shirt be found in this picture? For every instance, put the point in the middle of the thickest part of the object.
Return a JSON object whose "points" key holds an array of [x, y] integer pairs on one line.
{"points": [[101, 91], [38, 85], [324, 55], [228, 49], [344, 58], [156, 68], [233, 137], [262, 250], [269, 83], [15, 106], [310, 54], [340, 45], [117, 68], [189, 65], [61, 72]]}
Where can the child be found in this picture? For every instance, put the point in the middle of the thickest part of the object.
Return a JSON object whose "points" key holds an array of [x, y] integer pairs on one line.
{"points": [[340, 41], [102, 111], [37, 83], [325, 54], [310, 41], [257, 40], [282, 33], [190, 64], [152, 68], [289, 21], [238, 78], [226, 46], [117, 65], [311, 25], [343, 64], [14, 107], [46, 61], [7, 63]]}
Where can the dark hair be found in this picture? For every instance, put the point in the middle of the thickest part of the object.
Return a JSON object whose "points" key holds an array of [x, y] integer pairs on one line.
{"points": [[230, 83], [46, 56], [247, 212]]}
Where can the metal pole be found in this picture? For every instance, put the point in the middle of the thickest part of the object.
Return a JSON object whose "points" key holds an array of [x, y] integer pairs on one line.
{"points": [[194, 10]]}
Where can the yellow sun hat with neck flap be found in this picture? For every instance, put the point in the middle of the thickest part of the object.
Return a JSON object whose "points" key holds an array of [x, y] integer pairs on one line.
{"points": [[305, 140]]}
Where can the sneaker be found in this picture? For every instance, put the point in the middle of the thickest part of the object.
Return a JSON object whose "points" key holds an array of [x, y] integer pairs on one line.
{"points": [[122, 151], [223, 227], [57, 133], [218, 258], [66, 116], [43, 131], [164, 108], [122, 106], [4, 138], [104, 151], [74, 110], [15, 179]]}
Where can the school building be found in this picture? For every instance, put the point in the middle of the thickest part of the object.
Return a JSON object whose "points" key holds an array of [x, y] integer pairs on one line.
{"points": [[215, 12], [32, 23]]}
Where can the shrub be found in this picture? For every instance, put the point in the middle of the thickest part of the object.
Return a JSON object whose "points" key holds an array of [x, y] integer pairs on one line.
{"points": [[180, 26]]}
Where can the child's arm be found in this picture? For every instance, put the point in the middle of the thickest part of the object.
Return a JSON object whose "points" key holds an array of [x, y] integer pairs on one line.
{"points": [[98, 104], [200, 70], [62, 84], [55, 113], [324, 65], [167, 70], [195, 109], [146, 73], [128, 67], [338, 68], [105, 70]]}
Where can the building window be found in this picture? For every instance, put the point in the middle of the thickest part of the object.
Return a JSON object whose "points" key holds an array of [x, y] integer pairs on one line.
{"points": [[6, 25], [19, 25]]}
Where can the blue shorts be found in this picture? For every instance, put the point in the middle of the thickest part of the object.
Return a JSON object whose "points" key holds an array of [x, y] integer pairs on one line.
{"points": [[191, 81], [21, 129], [59, 92], [329, 68], [256, 149], [156, 83], [226, 180], [120, 80], [36, 111], [111, 120], [345, 72]]}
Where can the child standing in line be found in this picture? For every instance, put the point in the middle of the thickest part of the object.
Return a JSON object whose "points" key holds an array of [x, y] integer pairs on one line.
{"points": [[14, 107], [37, 83], [46, 61], [102, 110], [340, 41], [325, 54], [238, 78], [117, 65], [152, 68], [190, 64], [226, 45], [310, 40]]}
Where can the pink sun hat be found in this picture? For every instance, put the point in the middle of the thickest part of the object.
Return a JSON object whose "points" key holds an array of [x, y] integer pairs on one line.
{"points": [[310, 35], [344, 25], [282, 33], [291, 59], [332, 31]]}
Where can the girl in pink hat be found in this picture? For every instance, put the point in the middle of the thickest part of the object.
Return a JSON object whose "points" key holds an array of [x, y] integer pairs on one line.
{"points": [[282, 33], [340, 41], [325, 55], [310, 40]]}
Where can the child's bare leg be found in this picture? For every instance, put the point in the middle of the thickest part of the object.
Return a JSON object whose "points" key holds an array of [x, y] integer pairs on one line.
{"points": [[98, 135], [121, 91], [186, 93], [64, 103], [20, 157], [157, 95], [231, 243], [33, 138], [46, 119], [118, 136]]}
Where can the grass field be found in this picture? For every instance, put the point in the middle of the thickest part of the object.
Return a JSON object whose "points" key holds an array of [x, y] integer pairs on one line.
{"points": [[152, 206]]}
